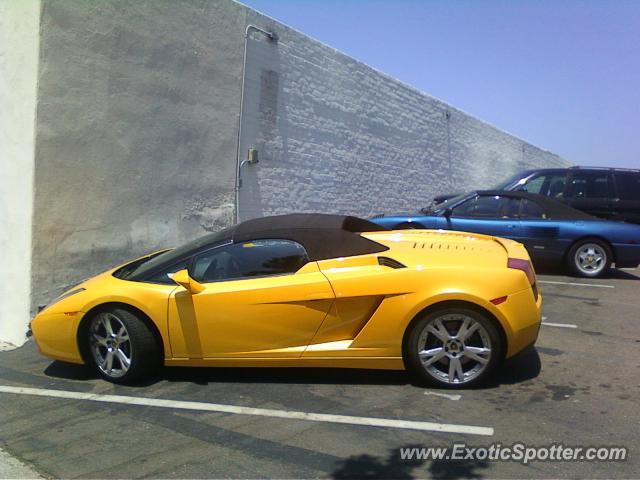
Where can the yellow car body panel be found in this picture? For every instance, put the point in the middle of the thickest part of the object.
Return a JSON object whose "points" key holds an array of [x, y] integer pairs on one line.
{"points": [[343, 312], [278, 315]]}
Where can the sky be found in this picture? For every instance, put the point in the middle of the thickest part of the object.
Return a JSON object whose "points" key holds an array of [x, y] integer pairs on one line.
{"points": [[561, 74]]}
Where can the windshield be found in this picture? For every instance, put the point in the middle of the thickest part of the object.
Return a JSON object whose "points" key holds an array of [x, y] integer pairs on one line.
{"points": [[452, 201], [139, 268], [511, 180]]}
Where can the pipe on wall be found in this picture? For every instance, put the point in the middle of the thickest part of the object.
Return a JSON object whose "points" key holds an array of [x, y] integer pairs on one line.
{"points": [[273, 38]]}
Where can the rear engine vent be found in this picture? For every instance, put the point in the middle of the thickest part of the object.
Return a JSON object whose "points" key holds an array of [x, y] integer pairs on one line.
{"points": [[390, 262], [440, 246]]}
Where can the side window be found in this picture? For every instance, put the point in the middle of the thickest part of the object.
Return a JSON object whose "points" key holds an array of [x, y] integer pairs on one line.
{"points": [[465, 209], [163, 277], [258, 258], [532, 210], [551, 185], [509, 208], [555, 185], [496, 207], [628, 185], [534, 185], [589, 185], [487, 207]]}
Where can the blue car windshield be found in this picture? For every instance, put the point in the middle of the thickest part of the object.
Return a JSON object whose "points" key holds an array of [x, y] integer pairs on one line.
{"points": [[439, 209]]}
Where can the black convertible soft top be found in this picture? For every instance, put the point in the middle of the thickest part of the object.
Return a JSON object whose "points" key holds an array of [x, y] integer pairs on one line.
{"points": [[553, 208], [323, 236]]}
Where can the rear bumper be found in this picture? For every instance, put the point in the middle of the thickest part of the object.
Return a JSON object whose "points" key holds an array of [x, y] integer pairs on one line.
{"points": [[520, 316], [627, 256]]}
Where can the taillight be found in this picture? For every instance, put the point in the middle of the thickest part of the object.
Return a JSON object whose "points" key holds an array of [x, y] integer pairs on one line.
{"points": [[525, 266]]}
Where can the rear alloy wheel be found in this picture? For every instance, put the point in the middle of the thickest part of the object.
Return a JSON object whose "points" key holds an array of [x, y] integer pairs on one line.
{"points": [[121, 346], [454, 347], [589, 258]]}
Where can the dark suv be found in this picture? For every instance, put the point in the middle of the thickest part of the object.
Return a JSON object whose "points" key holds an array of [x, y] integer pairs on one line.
{"points": [[612, 193]]}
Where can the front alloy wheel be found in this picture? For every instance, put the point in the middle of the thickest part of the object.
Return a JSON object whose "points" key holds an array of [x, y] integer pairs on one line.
{"points": [[454, 347], [121, 345], [110, 345]]}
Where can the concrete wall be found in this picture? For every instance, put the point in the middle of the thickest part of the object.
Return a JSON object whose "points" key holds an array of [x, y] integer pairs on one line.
{"points": [[137, 124], [336, 135], [19, 23], [137, 131]]}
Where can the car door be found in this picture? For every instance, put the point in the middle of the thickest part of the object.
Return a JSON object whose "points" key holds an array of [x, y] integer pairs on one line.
{"points": [[539, 234], [590, 191], [261, 299], [489, 214]]}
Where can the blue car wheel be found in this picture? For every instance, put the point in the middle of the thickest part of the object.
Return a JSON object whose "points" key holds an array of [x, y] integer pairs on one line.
{"points": [[589, 258]]}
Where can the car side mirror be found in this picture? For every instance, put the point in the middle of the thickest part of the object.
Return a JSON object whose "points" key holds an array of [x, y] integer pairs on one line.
{"points": [[183, 279], [448, 212]]}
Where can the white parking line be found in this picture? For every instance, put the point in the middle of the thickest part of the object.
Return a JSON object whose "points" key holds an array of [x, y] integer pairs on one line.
{"points": [[263, 412], [597, 285], [450, 396], [561, 325]]}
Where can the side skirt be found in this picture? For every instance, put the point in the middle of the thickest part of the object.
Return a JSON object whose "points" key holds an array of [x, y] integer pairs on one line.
{"points": [[377, 363]]}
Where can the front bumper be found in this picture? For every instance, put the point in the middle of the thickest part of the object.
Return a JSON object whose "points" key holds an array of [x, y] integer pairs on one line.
{"points": [[55, 335]]}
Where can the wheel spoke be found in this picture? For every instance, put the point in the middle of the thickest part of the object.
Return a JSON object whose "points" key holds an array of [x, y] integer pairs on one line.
{"points": [[100, 340], [124, 360], [474, 353], [427, 357], [107, 364], [470, 330], [106, 321], [463, 327], [455, 368], [122, 336], [437, 328]]}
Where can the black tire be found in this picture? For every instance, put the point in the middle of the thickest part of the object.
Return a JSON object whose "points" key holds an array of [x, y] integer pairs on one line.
{"points": [[142, 348], [490, 333], [585, 270]]}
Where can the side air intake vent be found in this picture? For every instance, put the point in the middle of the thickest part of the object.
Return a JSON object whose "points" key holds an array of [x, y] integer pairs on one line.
{"points": [[390, 262]]}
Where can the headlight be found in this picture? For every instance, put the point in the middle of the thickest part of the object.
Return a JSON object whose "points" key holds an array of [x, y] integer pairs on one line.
{"points": [[62, 297]]}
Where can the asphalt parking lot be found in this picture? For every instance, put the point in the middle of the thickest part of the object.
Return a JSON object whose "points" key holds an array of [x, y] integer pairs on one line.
{"points": [[579, 387]]}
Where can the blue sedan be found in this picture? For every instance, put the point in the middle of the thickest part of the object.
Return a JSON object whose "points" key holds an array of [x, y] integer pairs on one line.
{"points": [[550, 230]]}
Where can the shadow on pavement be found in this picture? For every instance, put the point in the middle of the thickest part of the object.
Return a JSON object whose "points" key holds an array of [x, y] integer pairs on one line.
{"points": [[369, 467], [612, 274], [69, 371], [525, 367]]}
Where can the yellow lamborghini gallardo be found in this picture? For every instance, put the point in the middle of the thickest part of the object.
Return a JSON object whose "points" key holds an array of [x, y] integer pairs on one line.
{"points": [[305, 290]]}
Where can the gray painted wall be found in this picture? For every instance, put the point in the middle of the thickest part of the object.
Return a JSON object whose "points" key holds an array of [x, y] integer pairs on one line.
{"points": [[136, 131], [333, 134], [137, 123]]}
